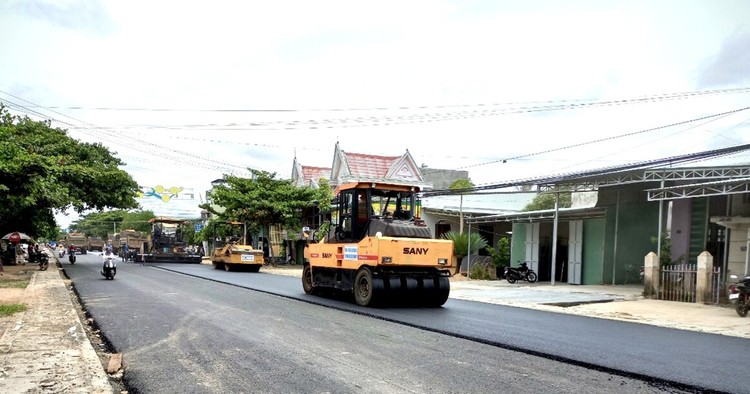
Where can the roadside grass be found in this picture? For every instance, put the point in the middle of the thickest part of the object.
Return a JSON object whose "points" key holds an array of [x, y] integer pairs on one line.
{"points": [[11, 309], [14, 284]]}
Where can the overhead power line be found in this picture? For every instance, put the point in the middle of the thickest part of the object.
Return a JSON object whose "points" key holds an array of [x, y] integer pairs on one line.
{"points": [[132, 142], [578, 102], [179, 156], [673, 160], [714, 117], [478, 111]]}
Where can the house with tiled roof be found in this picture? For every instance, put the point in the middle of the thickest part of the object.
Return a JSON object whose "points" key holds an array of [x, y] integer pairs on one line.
{"points": [[348, 166], [308, 175]]}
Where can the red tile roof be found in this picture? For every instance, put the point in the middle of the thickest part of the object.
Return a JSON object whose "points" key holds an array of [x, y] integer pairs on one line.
{"points": [[310, 173], [369, 165]]}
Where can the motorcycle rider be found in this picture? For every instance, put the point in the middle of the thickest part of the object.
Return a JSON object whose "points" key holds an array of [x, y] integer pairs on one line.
{"points": [[41, 257], [108, 254]]}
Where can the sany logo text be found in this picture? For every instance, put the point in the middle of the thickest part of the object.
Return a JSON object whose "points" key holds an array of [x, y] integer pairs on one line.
{"points": [[416, 250]]}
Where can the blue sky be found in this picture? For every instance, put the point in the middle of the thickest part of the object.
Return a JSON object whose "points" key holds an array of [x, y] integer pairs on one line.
{"points": [[185, 91]]}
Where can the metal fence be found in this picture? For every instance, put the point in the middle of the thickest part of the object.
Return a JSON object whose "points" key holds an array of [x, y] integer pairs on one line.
{"points": [[717, 285], [677, 282]]}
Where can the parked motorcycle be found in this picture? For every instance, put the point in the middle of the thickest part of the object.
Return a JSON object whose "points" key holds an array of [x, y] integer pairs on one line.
{"points": [[72, 258], [523, 272], [109, 269], [739, 295], [43, 261]]}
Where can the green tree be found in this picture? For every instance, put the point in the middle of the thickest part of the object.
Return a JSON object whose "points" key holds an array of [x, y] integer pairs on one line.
{"points": [[100, 224], [43, 170], [461, 186], [323, 206], [547, 201], [263, 200], [137, 220], [462, 243], [189, 235]]}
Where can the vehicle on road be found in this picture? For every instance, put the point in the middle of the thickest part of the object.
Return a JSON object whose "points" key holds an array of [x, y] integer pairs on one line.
{"points": [[95, 244], [77, 241], [166, 244], [128, 243], [379, 250], [231, 250], [739, 295], [109, 268]]}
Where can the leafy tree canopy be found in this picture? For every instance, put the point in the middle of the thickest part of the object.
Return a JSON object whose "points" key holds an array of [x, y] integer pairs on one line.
{"points": [[100, 224], [547, 201], [43, 170], [189, 235], [264, 200], [461, 184]]}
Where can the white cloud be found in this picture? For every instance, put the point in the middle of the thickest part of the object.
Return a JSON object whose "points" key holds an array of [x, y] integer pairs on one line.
{"points": [[437, 59]]}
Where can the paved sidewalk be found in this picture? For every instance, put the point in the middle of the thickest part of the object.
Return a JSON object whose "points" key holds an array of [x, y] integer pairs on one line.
{"points": [[618, 302], [47, 351]]}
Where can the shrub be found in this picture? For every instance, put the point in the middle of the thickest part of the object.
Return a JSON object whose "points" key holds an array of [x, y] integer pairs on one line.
{"points": [[500, 254], [481, 272], [462, 243]]}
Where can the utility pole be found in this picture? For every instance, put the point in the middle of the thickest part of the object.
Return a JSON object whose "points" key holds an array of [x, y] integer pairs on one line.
{"points": [[461, 216]]}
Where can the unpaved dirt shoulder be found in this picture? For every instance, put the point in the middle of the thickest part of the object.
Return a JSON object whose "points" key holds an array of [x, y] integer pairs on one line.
{"points": [[288, 270], [100, 344], [13, 295]]}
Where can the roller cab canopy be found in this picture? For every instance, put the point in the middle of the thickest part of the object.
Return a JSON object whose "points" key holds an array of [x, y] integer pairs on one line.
{"points": [[391, 186]]}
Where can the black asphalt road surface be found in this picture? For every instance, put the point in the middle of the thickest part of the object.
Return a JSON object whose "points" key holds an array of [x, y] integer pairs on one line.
{"points": [[190, 328]]}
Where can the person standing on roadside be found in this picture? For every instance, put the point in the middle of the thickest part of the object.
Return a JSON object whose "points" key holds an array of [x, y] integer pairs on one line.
{"points": [[6, 253], [32, 255], [19, 254]]}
